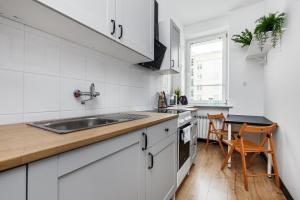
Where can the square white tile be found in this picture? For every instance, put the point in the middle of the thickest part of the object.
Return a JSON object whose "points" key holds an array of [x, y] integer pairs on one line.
{"points": [[111, 95], [95, 67], [73, 60], [41, 93], [11, 90], [125, 98], [112, 71], [11, 48], [41, 52]]}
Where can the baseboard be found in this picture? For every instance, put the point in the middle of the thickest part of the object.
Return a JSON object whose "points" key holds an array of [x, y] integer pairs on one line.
{"points": [[283, 188]]}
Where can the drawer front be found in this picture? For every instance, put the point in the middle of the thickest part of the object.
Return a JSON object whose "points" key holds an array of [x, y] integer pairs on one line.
{"points": [[161, 131]]}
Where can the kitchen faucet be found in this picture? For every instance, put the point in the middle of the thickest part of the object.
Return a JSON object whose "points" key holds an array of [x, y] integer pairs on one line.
{"points": [[92, 94]]}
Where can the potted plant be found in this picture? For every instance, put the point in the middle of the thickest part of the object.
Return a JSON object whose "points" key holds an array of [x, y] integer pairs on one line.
{"points": [[244, 38], [270, 26], [177, 92]]}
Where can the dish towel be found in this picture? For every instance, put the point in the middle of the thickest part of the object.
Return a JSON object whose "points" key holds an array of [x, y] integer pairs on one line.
{"points": [[186, 134]]}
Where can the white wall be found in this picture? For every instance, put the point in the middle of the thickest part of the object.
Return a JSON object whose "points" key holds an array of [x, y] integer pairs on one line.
{"points": [[246, 89], [246, 79], [39, 72], [208, 27], [282, 95]]}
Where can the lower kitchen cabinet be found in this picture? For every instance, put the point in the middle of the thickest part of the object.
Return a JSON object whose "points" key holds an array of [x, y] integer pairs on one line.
{"points": [[13, 184], [141, 165], [108, 170], [162, 169]]}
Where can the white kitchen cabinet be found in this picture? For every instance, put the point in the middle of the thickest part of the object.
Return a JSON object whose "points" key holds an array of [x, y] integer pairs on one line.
{"points": [[13, 184], [162, 169], [95, 14], [92, 23], [136, 166], [169, 34], [135, 25], [107, 170]]}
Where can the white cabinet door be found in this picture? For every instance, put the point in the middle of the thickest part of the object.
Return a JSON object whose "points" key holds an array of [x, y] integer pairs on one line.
{"points": [[135, 28], [13, 184], [161, 170], [95, 14], [107, 170], [175, 47]]}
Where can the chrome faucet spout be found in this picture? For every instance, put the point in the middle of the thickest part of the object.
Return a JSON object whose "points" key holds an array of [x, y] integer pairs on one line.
{"points": [[92, 94]]}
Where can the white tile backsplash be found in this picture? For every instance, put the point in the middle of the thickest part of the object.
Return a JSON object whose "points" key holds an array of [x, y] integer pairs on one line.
{"points": [[11, 90], [41, 52], [112, 95], [41, 93], [39, 72], [11, 47], [31, 117], [73, 60]]}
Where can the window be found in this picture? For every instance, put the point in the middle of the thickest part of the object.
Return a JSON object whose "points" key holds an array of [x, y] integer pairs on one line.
{"points": [[206, 75]]}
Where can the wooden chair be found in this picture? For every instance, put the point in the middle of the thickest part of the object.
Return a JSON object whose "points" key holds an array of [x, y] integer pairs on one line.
{"points": [[218, 132], [244, 147]]}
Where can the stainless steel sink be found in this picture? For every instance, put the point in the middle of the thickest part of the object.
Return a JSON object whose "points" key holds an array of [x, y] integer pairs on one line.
{"points": [[63, 126]]}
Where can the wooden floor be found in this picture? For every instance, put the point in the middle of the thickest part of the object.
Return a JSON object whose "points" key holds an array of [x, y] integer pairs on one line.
{"points": [[207, 182]]}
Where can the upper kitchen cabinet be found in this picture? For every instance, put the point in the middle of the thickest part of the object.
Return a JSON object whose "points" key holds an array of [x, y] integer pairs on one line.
{"points": [[169, 34], [122, 29], [135, 25], [98, 15]]}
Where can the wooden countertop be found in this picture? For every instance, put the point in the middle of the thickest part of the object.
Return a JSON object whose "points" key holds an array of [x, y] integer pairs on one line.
{"points": [[21, 144]]}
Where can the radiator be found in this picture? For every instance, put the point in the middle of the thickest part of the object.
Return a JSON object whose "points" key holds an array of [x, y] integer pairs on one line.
{"points": [[203, 127]]}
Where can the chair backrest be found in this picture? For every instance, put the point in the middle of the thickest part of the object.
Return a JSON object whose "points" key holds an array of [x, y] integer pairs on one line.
{"points": [[257, 129], [216, 117]]}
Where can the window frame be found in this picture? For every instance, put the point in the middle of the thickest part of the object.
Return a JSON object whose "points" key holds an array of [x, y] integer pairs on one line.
{"points": [[224, 36]]}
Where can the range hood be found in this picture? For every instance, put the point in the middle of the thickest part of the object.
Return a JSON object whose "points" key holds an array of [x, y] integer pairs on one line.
{"points": [[159, 48]]}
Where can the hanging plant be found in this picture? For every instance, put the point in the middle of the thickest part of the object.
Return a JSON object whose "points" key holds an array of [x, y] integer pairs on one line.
{"points": [[244, 38], [269, 27]]}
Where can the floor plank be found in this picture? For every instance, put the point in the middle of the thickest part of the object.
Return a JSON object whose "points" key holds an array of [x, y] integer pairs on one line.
{"points": [[207, 182]]}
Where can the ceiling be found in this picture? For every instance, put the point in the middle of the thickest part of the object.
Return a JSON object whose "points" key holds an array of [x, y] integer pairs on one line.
{"points": [[192, 11]]}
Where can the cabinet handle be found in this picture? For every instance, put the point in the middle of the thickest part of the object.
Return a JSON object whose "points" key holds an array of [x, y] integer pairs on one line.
{"points": [[121, 31], [114, 27], [145, 142], [172, 63], [151, 160], [166, 129]]}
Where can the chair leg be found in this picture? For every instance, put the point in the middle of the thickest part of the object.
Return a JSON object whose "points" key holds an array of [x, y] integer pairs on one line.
{"points": [[244, 166], [221, 146], [207, 140], [227, 157], [252, 159], [276, 173]]}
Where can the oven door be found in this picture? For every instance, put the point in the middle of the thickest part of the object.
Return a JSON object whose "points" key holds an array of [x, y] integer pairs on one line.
{"points": [[184, 145]]}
